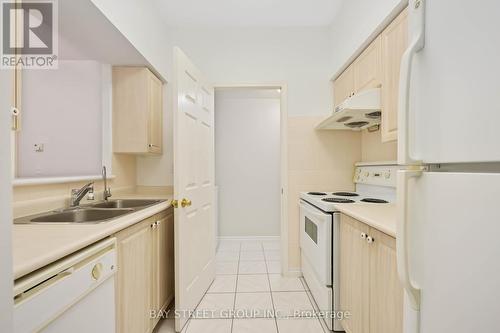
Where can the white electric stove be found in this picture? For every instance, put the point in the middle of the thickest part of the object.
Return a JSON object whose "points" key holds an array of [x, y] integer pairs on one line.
{"points": [[375, 184]]}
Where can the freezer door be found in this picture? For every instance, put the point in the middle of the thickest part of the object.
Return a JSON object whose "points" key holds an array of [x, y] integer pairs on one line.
{"points": [[454, 94], [454, 243]]}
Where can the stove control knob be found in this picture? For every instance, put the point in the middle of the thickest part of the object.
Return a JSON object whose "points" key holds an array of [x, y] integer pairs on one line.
{"points": [[387, 175], [367, 174]]}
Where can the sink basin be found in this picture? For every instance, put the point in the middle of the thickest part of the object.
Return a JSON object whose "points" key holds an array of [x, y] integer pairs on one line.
{"points": [[80, 216], [125, 203]]}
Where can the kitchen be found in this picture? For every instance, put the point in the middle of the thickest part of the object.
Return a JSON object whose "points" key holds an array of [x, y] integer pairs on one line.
{"points": [[389, 261]]}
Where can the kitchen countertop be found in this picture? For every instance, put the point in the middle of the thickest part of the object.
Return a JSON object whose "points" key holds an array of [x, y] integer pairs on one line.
{"points": [[379, 216], [37, 245]]}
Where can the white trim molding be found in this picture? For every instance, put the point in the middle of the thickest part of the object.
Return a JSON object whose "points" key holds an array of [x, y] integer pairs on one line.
{"points": [[55, 180]]}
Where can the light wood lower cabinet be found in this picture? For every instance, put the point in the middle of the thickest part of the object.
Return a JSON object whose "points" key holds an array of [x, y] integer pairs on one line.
{"points": [[144, 280], [369, 285], [354, 275]]}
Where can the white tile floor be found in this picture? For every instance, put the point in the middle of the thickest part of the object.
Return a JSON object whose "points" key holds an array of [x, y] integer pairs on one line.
{"points": [[249, 284]]}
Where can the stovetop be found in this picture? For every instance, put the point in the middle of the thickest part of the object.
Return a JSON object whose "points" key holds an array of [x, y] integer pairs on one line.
{"points": [[327, 201], [374, 185]]}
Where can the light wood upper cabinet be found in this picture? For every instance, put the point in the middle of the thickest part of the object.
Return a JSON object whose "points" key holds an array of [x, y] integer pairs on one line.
{"points": [[155, 114], [354, 275], [145, 276], [368, 67], [369, 284], [343, 87], [386, 292], [394, 44], [137, 111]]}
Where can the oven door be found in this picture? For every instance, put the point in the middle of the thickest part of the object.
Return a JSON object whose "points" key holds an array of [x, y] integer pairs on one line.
{"points": [[316, 241]]}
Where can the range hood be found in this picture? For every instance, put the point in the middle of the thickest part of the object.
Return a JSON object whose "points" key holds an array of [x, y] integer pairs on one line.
{"points": [[357, 112]]}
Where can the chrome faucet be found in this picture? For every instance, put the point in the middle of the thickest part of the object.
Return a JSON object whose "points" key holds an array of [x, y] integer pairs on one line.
{"points": [[78, 194], [107, 190]]}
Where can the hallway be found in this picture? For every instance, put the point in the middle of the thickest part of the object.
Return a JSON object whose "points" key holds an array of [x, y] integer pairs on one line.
{"points": [[250, 295]]}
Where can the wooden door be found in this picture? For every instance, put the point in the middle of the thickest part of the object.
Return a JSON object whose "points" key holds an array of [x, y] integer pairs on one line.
{"points": [[368, 67], [155, 101], [343, 87], [133, 290], [394, 44], [354, 275], [194, 185], [386, 292]]}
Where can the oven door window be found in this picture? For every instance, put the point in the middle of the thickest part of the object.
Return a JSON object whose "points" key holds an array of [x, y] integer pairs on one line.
{"points": [[311, 230]]}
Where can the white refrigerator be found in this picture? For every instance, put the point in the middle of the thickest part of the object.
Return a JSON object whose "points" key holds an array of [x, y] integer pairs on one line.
{"points": [[448, 233]]}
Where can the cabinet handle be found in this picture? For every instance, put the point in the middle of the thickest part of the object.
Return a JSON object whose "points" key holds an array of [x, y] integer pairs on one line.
{"points": [[15, 118], [370, 239], [363, 235]]}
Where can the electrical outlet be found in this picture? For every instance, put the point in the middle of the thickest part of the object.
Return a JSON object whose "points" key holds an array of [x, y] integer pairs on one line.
{"points": [[39, 147]]}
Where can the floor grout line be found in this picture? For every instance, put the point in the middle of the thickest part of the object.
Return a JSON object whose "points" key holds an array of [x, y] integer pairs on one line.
{"points": [[236, 287], [271, 293]]}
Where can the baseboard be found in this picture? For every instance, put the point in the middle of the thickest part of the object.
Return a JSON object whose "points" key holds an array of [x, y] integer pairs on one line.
{"points": [[249, 238], [293, 272]]}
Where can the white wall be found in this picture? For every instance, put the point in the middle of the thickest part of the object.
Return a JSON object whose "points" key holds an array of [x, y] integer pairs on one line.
{"points": [[6, 283], [62, 109], [298, 56], [140, 22], [355, 22], [247, 161]]}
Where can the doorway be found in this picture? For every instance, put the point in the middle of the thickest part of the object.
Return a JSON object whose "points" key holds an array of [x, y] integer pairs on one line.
{"points": [[250, 164]]}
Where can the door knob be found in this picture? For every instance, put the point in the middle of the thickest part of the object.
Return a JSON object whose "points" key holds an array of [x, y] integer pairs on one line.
{"points": [[185, 202], [175, 203]]}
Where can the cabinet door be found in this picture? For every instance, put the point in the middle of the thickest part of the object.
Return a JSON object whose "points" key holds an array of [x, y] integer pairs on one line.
{"points": [[386, 293], [354, 275], [163, 254], [134, 278], [368, 67], [394, 44], [155, 102], [343, 87]]}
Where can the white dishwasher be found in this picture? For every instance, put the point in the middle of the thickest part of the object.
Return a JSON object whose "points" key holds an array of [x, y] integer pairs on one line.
{"points": [[75, 294]]}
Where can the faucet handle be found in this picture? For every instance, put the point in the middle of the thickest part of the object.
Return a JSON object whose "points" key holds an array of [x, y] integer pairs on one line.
{"points": [[90, 194]]}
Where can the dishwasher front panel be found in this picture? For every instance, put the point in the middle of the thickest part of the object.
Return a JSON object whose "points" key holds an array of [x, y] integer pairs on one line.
{"points": [[78, 299]]}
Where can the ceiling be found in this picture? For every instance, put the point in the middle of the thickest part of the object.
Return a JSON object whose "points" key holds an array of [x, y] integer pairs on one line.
{"points": [[248, 13]]}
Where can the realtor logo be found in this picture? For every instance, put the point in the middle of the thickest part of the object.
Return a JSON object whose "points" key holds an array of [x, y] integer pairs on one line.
{"points": [[29, 34]]}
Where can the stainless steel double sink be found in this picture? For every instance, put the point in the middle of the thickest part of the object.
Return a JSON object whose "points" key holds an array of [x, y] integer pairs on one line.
{"points": [[93, 213]]}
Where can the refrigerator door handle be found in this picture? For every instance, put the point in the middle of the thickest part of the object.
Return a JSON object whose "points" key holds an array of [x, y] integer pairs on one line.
{"points": [[402, 235], [417, 41]]}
